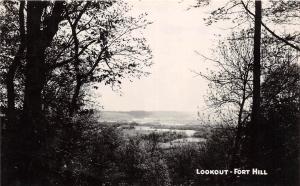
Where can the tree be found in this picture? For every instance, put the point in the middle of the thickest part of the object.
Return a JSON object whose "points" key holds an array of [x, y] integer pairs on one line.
{"points": [[231, 85], [13, 67], [37, 41], [10, 54], [239, 12], [280, 110], [255, 114], [65, 46]]}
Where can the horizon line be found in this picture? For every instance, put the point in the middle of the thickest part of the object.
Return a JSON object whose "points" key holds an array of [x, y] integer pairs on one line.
{"points": [[139, 110]]}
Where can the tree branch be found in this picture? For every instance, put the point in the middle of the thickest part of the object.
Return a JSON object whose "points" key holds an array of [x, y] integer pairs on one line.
{"points": [[72, 58], [270, 31]]}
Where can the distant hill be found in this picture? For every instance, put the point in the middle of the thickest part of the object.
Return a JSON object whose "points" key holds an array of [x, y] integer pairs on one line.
{"points": [[154, 117]]}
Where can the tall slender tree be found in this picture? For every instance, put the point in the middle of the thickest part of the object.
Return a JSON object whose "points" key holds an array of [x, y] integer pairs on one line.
{"points": [[255, 115]]}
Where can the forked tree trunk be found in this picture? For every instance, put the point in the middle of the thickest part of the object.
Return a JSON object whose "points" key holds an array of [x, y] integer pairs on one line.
{"points": [[34, 125]]}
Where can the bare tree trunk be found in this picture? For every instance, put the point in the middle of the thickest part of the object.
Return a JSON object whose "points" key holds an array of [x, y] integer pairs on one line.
{"points": [[236, 152], [238, 134], [73, 106], [256, 64], [79, 77], [10, 138], [255, 115], [13, 68]]}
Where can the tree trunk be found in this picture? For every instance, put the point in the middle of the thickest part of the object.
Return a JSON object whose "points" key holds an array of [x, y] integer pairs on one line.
{"points": [[238, 134], [34, 126], [79, 79], [255, 115], [32, 136], [11, 116], [74, 104]]}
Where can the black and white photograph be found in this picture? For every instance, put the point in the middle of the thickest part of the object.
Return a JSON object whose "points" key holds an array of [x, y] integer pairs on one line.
{"points": [[150, 92]]}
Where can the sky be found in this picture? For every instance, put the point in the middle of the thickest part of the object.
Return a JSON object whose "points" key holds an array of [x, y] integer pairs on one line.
{"points": [[174, 36]]}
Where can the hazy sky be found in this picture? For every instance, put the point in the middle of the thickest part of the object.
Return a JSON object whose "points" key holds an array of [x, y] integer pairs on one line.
{"points": [[174, 36]]}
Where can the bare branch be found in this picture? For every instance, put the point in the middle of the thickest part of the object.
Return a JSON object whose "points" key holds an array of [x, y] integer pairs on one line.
{"points": [[270, 31]]}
